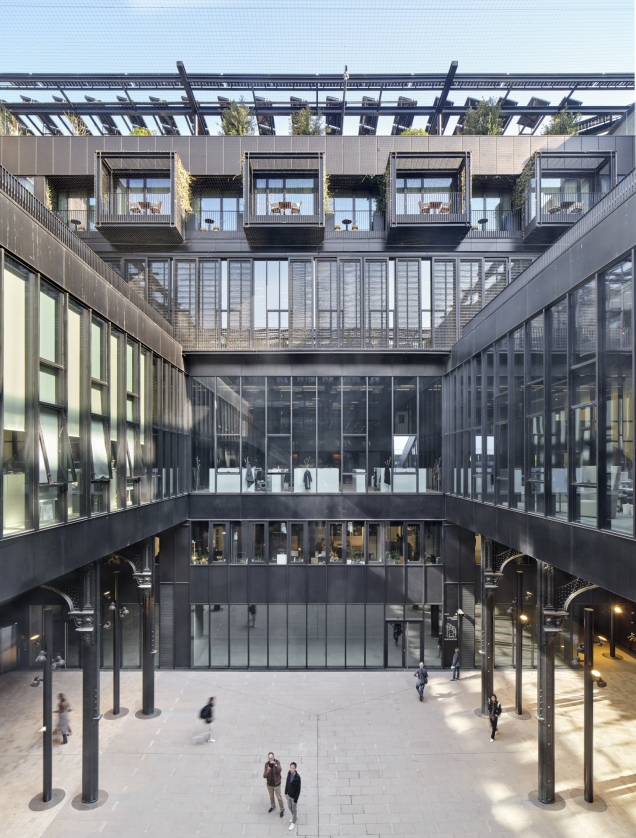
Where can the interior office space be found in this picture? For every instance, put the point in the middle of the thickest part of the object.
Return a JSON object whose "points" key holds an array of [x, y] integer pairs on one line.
{"points": [[315, 374]]}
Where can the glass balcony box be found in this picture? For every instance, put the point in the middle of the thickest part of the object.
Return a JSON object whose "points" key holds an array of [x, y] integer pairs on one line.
{"points": [[139, 197], [428, 197], [563, 187], [283, 198]]}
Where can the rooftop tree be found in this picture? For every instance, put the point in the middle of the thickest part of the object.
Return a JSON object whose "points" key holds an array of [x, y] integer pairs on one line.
{"points": [[305, 124], [485, 118], [237, 120], [563, 123]]}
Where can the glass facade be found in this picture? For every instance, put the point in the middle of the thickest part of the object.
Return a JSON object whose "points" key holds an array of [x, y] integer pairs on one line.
{"points": [[316, 542], [551, 411], [76, 411], [308, 434]]}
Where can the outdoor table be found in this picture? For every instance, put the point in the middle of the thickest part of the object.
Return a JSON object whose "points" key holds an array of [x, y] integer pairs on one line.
{"points": [[346, 222]]}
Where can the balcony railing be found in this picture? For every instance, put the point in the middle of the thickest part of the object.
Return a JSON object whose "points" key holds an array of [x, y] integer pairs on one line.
{"points": [[150, 209], [566, 207], [424, 208], [495, 224], [79, 221], [361, 224], [219, 221]]}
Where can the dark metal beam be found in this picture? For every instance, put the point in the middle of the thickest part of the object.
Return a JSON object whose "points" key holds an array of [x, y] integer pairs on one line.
{"points": [[200, 121], [434, 125]]}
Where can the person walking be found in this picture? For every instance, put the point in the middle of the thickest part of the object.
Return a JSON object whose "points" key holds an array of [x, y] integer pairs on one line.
{"points": [[397, 632], [456, 664], [439, 646], [207, 714], [422, 680], [272, 773], [494, 711], [63, 726], [292, 793]]}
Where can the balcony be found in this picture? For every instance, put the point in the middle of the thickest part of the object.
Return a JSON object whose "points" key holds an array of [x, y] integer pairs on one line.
{"points": [[562, 188], [495, 224], [80, 221], [283, 198], [428, 198], [139, 197]]}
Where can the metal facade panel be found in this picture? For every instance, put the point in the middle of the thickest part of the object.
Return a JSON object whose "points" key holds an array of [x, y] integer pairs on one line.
{"points": [[415, 585], [200, 584], [317, 584], [238, 583], [276, 584], [434, 583], [336, 584], [375, 584], [297, 583], [181, 625], [356, 587], [218, 584], [395, 584], [166, 627], [467, 634]]}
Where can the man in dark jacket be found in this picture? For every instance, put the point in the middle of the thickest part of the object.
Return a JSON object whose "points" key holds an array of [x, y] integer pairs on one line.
{"points": [[456, 665], [422, 679], [494, 711], [292, 793], [271, 773], [207, 714]]}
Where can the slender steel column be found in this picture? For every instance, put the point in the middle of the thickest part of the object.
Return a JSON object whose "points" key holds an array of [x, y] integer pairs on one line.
{"points": [[116, 646], [612, 634], [588, 705], [148, 653], [489, 586], [545, 685], [47, 706], [519, 647], [90, 685]]}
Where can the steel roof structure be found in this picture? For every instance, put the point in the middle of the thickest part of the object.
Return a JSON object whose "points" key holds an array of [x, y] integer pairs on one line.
{"points": [[197, 95]]}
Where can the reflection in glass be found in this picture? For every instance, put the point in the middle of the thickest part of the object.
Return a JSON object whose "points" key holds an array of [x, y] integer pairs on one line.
{"points": [[335, 542], [278, 542], [405, 435], [517, 420], [253, 433], [374, 635], [258, 543], [277, 635], [355, 542], [200, 635], [535, 424], [304, 434], [393, 543], [380, 434], [297, 543], [257, 618], [316, 634], [430, 435], [317, 540], [238, 635], [219, 635], [238, 546], [200, 535], [375, 553], [329, 418], [413, 543], [335, 634], [217, 544], [558, 400], [355, 634], [297, 633], [433, 542]]}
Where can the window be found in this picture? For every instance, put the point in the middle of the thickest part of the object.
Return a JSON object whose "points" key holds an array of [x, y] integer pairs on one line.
{"points": [[491, 210], [141, 195], [215, 210], [270, 191], [117, 456], [411, 192], [76, 389], [271, 306], [353, 209], [535, 418]]}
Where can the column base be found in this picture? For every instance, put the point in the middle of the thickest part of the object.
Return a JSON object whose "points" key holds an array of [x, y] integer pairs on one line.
{"points": [[612, 657], [36, 804], [123, 711], [141, 715], [87, 807], [578, 796], [522, 717], [559, 802]]}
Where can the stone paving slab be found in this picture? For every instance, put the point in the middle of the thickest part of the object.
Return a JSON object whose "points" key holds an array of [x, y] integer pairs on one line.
{"points": [[374, 760]]}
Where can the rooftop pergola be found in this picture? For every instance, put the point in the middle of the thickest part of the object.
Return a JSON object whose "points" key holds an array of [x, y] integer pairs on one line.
{"points": [[137, 99]]}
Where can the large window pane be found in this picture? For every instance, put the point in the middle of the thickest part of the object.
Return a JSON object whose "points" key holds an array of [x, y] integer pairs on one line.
{"points": [[75, 366], [336, 634], [335, 542], [297, 553], [304, 434], [258, 543], [277, 635], [355, 634], [258, 633], [317, 540], [16, 331], [394, 543], [278, 542], [535, 423], [253, 431], [517, 410], [238, 635], [405, 435], [375, 551], [219, 649], [200, 635], [200, 536], [430, 437], [380, 433], [297, 633], [374, 636], [558, 399], [617, 284], [329, 429], [217, 543], [354, 549], [316, 634]]}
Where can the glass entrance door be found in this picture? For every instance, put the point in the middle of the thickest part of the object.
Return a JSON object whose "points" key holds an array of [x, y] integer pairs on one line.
{"points": [[403, 644]]}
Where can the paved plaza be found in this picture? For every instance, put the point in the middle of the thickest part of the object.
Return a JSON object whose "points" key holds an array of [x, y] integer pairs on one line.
{"points": [[374, 760]]}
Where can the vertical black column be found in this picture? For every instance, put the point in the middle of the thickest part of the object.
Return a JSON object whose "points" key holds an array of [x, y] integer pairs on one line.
{"points": [[116, 646], [488, 588], [588, 705], [519, 646], [47, 706], [90, 685], [545, 685], [148, 630]]}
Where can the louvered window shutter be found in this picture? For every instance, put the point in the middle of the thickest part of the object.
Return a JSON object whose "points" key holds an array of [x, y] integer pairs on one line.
{"points": [[350, 304], [239, 304], [185, 304], [518, 266], [407, 303], [301, 313], [209, 304], [159, 286], [494, 278], [326, 303], [375, 300], [469, 290], [444, 310]]}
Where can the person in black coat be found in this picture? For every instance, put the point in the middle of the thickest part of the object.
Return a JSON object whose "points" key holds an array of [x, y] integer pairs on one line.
{"points": [[456, 664], [292, 793], [494, 711]]}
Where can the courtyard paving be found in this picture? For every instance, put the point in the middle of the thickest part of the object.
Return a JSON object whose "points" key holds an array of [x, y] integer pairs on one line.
{"points": [[374, 760]]}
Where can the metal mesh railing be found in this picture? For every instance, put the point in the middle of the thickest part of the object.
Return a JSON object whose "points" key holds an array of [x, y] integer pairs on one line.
{"points": [[11, 187]]}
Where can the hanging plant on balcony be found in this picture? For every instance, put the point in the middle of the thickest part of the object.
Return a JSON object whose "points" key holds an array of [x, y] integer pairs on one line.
{"points": [[522, 186], [183, 182], [50, 198], [327, 195]]}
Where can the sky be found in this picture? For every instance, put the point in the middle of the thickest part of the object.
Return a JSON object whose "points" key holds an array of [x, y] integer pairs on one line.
{"points": [[319, 36]]}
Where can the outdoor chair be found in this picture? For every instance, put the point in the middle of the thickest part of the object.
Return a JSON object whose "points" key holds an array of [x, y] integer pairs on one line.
{"points": [[576, 208], [135, 208], [444, 209], [295, 208], [155, 208], [274, 208], [425, 209]]}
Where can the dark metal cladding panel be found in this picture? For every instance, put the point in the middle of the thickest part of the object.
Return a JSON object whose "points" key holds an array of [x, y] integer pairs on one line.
{"points": [[218, 584], [296, 583], [182, 625], [395, 584], [316, 584], [375, 584], [336, 584], [238, 583], [166, 627], [415, 584], [434, 583], [276, 584], [258, 584], [200, 584], [356, 588]]}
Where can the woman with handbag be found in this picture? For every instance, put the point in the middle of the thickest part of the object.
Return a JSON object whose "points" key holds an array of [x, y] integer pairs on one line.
{"points": [[494, 711], [63, 726]]}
